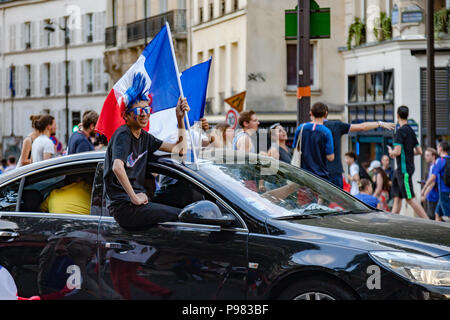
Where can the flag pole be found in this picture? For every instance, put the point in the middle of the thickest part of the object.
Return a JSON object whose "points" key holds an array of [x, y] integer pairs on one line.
{"points": [[182, 94]]}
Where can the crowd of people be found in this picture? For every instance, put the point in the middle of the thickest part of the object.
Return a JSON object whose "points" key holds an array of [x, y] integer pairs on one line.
{"points": [[318, 142]]}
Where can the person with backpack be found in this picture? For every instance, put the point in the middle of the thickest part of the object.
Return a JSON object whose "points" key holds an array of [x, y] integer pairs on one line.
{"points": [[441, 175]]}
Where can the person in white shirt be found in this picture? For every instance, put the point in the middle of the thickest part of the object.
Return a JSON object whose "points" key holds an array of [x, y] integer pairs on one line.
{"points": [[43, 148], [353, 177]]}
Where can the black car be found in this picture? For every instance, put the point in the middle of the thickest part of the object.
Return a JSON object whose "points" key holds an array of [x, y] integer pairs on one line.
{"points": [[250, 228]]}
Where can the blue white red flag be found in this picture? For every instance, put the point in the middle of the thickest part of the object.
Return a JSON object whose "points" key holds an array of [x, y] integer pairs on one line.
{"points": [[156, 63]]}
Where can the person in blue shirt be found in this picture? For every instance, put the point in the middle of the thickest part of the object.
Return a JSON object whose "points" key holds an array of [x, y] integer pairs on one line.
{"points": [[443, 206], [80, 141], [365, 194], [317, 142], [430, 196], [338, 129]]}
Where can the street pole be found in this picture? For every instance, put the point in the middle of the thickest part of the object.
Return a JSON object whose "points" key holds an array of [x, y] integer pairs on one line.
{"points": [[303, 61], [13, 94], [145, 22], [431, 90], [66, 40]]}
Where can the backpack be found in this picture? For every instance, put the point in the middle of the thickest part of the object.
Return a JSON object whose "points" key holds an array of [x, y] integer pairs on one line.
{"points": [[447, 171]]}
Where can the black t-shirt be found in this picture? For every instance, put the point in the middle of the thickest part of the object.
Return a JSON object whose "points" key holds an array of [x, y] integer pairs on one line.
{"points": [[407, 140], [338, 129], [134, 153]]}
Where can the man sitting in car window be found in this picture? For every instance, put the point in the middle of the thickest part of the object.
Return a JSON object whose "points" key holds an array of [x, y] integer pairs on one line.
{"points": [[126, 160], [73, 198]]}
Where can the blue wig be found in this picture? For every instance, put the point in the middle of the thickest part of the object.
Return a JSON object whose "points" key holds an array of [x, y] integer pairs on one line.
{"points": [[137, 91]]}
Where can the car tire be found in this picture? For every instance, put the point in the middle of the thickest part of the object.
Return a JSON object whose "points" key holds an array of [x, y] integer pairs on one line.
{"points": [[317, 289]]}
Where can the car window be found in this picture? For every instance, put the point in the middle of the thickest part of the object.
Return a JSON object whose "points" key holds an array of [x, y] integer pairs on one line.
{"points": [[274, 188], [9, 195], [61, 190], [170, 188]]}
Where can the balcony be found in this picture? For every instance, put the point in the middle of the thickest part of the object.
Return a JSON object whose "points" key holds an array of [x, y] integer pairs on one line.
{"points": [[110, 36], [176, 19]]}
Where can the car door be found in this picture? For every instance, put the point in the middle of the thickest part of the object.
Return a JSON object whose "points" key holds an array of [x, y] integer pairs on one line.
{"points": [[175, 260], [51, 255]]}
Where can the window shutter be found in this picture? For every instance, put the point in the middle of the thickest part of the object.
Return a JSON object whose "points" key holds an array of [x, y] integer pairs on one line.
{"points": [[32, 80], [41, 33], [60, 33], [42, 80], [72, 77], [53, 79], [97, 76], [22, 37], [59, 83], [12, 37], [83, 76], [84, 28], [19, 79]]}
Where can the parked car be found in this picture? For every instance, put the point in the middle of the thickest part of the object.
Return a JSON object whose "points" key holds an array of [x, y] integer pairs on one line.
{"points": [[250, 228]]}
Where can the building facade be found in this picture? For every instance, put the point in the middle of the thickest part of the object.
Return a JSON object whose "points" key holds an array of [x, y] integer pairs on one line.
{"points": [[251, 52], [385, 72], [131, 24], [33, 63]]}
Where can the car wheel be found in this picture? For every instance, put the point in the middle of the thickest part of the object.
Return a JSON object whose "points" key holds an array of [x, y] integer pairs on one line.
{"points": [[316, 289]]}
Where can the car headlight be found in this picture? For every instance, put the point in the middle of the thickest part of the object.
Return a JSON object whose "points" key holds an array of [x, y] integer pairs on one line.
{"points": [[415, 267]]}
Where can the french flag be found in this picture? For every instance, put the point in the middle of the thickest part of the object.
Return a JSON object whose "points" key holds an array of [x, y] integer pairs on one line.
{"points": [[157, 64]]}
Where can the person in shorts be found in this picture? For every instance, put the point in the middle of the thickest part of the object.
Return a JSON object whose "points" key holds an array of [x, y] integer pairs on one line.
{"points": [[126, 160], [406, 147]]}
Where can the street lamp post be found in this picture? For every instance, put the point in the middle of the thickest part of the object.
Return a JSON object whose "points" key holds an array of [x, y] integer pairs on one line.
{"points": [[49, 27]]}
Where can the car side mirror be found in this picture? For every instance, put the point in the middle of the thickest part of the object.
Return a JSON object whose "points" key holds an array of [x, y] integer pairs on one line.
{"points": [[205, 212]]}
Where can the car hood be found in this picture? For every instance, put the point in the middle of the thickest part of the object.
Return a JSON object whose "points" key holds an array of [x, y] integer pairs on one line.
{"points": [[372, 231]]}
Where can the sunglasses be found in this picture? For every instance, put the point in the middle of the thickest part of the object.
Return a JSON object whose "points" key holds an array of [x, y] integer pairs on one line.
{"points": [[275, 125], [138, 111]]}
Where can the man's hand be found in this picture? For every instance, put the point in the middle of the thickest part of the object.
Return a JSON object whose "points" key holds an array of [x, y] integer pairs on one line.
{"points": [[182, 106], [140, 199], [205, 124], [388, 125]]}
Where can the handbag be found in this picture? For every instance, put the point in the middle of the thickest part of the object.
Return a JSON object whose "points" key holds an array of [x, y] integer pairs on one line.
{"points": [[297, 153]]}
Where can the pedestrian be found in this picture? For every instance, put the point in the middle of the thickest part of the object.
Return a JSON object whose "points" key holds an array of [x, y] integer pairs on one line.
{"points": [[365, 194], [4, 164], [126, 158], [430, 195], [441, 176], [11, 163], [80, 141], [42, 147], [316, 142], [386, 166], [406, 147], [381, 182], [353, 178], [338, 129], [278, 148], [223, 135], [25, 155], [249, 123]]}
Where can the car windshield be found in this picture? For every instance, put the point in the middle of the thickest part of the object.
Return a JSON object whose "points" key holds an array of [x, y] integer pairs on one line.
{"points": [[273, 187]]}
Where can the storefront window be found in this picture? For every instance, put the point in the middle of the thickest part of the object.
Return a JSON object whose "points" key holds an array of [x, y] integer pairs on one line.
{"points": [[361, 88], [389, 113], [370, 113], [379, 112], [388, 86], [369, 88], [379, 86], [352, 89]]}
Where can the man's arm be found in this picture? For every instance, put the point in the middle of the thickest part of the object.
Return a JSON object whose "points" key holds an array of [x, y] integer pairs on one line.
{"points": [[180, 147], [119, 170], [394, 153], [418, 150], [366, 126]]}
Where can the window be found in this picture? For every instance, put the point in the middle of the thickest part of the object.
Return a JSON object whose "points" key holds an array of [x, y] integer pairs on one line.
{"points": [[46, 79], [89, 75], [235, 5], [90, 27], [222, 7], [115, 11], [9, 195], [292, 66], [27, 35], [39, 187], [371, 97], [200, 14], [48, 34], [163, 6], [211, 10], [12, 80], [27, 80]]}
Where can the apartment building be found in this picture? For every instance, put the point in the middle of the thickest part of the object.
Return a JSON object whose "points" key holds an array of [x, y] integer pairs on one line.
{"points": [[33, 62]]}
